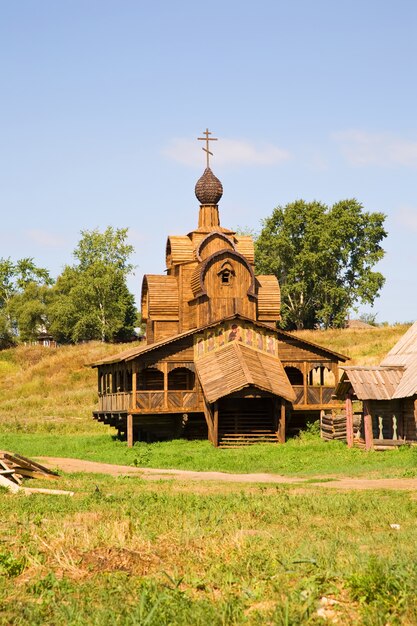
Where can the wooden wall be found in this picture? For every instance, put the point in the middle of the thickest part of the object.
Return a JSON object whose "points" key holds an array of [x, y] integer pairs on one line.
{"points": [[410, 418]]}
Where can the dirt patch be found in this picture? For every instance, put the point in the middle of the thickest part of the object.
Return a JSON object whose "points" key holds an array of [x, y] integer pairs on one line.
{"points": [[120, 560], [146, 473]]}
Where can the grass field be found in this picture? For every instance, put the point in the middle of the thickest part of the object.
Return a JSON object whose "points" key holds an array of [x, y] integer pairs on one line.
{"points": [[124, 551], [307, 456]]}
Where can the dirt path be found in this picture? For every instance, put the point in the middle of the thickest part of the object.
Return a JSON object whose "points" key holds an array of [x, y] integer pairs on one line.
{"points": [[76, 465]]}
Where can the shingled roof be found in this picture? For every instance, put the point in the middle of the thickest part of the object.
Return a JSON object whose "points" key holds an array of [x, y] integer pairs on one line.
{"points": [[395, 378], [237, 366]]}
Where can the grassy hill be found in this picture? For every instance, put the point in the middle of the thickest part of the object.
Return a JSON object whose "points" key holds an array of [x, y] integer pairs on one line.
{"points": [[52, 390], [362, 346], [49, 389]]}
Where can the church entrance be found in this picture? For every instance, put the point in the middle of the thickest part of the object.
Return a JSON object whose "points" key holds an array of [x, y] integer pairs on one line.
{"points": [[244, 421]]}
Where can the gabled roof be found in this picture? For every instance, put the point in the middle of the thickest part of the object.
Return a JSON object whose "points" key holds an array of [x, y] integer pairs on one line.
{"points": [[395, 378], [132, 353], [370, 383], [407, 344], [236, 366]]}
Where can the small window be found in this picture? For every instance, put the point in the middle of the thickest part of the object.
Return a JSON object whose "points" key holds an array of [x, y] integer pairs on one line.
{"points": [[226, 276], [226, 273]]}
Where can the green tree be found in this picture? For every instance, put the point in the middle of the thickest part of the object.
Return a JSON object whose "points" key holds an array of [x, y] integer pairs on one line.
{"points": [[23, 292], [323, 258], [91, 298]]}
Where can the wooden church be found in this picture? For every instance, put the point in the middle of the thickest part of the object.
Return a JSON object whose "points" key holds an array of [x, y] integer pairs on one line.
{"points": [[214, 363]]}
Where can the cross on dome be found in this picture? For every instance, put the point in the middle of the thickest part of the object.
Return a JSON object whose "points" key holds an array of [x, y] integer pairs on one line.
{"points": [[207, 139]]}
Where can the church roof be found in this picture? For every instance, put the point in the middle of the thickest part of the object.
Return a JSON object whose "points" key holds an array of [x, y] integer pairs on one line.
{"points": [[236, 366], [208, 188], [132, 353]]}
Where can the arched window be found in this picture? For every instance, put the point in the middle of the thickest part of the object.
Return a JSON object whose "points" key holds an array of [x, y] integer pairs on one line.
{"points": [[295, 376], [181, 379], [226, 273], [150, 379], [321, 377]]}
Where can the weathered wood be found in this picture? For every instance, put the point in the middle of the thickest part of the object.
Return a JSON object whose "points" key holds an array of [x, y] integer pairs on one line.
{"points": [[349, 421], [281, 427], [367, 423], [129, 430], [9, 484], [216, 424]]}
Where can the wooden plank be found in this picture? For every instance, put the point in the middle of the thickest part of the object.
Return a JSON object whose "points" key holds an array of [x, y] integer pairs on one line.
{"points": [[9, 484], [367, 420]]}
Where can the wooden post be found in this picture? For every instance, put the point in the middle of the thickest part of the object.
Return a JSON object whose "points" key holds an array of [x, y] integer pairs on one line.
{"points": [[216, 425], [134, 386], [367, 425], [349, 420], [305, 382], [165, 372], [321, 423], [415, 419], [209, 419], [129, 430], [281, 427]]}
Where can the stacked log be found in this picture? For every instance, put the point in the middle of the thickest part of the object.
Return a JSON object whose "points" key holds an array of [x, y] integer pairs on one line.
{"points": [[333, 426]]}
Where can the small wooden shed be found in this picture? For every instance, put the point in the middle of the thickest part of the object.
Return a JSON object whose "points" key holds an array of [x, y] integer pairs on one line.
{"points": [[388, 394]]}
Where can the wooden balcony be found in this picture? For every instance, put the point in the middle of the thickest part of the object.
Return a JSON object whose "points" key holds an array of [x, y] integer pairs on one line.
{"points": [[167, 401], [150, 402], [309, 396], [114, 402]]}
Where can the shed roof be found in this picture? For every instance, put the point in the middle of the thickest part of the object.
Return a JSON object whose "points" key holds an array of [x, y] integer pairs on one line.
{"points": [[395, 378], [236, 366], [370, 383]]}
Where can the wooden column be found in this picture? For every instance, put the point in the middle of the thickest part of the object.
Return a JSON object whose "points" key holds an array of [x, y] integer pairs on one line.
{"points": [[305, 383], [209, 419], [349, 420], [129, 430], [216, 425], [281, 427], [134, 386], [165, 372], [367, 425]]}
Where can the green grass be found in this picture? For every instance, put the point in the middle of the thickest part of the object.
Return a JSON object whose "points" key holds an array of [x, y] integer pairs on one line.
{"points": [[307, 456], [124, 551], [128, 552]]}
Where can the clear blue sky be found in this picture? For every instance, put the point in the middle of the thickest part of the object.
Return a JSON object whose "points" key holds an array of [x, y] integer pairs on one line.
{"points": [[102, 100]]}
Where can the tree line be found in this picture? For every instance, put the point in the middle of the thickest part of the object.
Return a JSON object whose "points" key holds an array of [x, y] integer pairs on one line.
{"points": [[322, 256], [89, 299]]}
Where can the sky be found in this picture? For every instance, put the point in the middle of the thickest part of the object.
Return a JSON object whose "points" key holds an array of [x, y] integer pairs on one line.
{"points": [[102, 101]]}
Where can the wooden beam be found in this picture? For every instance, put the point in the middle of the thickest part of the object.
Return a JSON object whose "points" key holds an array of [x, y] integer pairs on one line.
{"points": [[415, 413], [216, 425], [129, 430], [349, 420], [367, 424], [281, 428], [134, 386], [209, 419]]}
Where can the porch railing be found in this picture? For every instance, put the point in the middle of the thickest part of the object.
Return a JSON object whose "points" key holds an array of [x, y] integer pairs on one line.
{"points": [[313, 395], [114, 402]]}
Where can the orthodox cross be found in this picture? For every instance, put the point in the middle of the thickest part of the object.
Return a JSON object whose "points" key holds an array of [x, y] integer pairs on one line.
{"points": [[207, 148]]}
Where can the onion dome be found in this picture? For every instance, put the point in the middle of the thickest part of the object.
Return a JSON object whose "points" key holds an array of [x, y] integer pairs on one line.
{"points": [[208, 188]]}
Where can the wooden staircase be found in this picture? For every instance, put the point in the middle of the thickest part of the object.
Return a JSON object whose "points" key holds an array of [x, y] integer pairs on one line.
{"points": [[244, 425]]}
